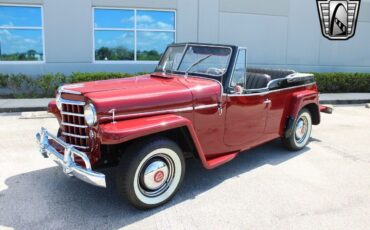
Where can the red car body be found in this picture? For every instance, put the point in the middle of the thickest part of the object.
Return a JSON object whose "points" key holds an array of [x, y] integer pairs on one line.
{"points": [[213, 114], [155, 103]]}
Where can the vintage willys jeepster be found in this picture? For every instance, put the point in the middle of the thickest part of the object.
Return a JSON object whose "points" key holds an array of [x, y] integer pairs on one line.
{"points": [[201, 101]]}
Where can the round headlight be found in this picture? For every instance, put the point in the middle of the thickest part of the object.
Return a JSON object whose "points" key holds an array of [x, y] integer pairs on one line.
{"points": [[58, 101], [90, 114]]}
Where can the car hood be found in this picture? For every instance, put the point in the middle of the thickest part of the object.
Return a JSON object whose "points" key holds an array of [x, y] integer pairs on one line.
{"points": [[135, 94]]}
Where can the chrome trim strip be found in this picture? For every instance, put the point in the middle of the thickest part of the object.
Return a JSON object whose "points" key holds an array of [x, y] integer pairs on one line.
{"points": [[69, 102], [73, 125], [159, 112], [72, 114], [267, 92], [199, 107], [82, 147], [70, 167], [63, 90], [74, 135]]}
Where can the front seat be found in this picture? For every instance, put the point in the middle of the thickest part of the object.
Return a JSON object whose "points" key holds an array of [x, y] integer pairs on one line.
{"points": [[257, 80]]}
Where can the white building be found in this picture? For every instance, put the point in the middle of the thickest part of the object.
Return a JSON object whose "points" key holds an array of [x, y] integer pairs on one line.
{"points": [[42, 36]]}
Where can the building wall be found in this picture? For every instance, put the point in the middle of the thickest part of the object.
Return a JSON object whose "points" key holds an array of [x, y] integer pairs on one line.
{"points": [[279, 34]]}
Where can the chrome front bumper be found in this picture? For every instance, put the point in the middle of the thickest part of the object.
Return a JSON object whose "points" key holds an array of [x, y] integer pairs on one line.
{"points": [[70, 167]]}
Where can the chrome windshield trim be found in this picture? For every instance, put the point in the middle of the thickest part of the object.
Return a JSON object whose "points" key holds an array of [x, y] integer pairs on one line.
{"points": [[200, 45]]}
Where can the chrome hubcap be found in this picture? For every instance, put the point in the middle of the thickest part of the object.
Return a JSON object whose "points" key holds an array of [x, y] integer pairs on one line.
{"points": [[156, 175], [301, 129]]}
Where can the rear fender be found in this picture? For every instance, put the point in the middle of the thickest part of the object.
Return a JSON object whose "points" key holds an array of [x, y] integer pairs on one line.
{"points": [[123, 131], [299, 100]]}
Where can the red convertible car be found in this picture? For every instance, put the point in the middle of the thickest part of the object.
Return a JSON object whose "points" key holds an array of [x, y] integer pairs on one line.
{"points": [[202, 101]]}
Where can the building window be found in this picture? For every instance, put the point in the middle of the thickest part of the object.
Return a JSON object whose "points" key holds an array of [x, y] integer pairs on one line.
{"points": [[21, 34], [132, 35]]}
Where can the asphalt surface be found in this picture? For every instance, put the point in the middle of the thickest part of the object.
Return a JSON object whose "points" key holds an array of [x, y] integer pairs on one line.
{"points": [[324, 186]]}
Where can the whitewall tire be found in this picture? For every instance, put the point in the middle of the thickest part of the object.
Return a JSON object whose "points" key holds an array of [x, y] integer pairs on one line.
{"points": [[150, 172], [301, 131]]}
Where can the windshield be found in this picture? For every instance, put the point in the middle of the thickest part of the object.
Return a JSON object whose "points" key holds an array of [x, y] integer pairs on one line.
{"points": [[206, 60]]}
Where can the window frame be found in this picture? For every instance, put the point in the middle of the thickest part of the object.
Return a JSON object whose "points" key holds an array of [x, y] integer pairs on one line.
{"points": [[42, 28], [234, 66], [135, 30]]}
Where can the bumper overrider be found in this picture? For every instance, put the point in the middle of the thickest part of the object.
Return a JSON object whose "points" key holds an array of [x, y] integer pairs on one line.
{"points": [[70, 167]]}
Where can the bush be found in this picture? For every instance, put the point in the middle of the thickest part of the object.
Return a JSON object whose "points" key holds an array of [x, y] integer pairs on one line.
{"points": [[23, 86], [49, 83], [343, 82], [3, 80], [83, 77], [45, 85]]}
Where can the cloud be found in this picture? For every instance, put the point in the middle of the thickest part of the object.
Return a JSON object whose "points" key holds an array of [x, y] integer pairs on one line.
{"points": [[12, 42]]}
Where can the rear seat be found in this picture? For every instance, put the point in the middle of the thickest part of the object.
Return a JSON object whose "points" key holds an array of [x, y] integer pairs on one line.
{"points": [[257, 80], [274, 73]]}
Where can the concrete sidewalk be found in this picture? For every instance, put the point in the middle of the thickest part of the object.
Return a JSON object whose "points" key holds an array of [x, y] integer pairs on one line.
{"points": [[40, 104], [23, 105], [344, 98]]}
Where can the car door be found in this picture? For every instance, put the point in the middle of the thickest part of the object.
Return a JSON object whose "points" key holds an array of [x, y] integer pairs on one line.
{"points": [[245, 112]]}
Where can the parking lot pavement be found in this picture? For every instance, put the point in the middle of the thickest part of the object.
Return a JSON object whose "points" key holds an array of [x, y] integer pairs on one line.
{"points": [[324, 186]]}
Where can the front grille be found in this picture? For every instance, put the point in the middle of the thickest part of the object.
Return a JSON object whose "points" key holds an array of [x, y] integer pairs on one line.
{"points": [[74, 129]]}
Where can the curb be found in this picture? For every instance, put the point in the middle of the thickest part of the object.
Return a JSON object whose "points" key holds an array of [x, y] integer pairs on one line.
{"points": [[345, 102], [23, 109]]}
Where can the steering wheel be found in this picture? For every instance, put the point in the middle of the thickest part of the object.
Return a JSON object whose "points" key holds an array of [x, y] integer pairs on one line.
{"points": [[215, 71]]}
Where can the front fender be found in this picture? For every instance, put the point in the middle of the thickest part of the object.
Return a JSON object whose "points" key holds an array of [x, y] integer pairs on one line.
{"points": [[122, 131]]}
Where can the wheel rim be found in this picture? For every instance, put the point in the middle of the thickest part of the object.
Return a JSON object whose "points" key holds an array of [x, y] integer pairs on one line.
{"points": [[156, 193], [156, 175], [301, 129]]}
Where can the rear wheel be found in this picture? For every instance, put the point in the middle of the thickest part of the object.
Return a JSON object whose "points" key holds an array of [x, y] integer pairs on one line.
{"points": [[150, 172], [301, 132]]}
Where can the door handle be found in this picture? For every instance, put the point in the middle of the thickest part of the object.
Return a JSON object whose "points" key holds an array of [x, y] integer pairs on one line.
{"points": [[267, 101]]}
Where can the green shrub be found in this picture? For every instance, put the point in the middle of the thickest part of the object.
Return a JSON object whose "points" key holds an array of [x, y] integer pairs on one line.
{"points": [[49, 83], [45, 85], [21, 85], [84, 77], [343, 82], [3, 80]]}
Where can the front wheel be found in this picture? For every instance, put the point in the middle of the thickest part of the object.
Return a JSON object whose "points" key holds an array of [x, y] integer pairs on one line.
{"points": [[301, 132], [150, 172]]}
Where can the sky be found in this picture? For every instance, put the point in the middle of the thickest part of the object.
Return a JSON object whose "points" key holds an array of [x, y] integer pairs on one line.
{"points": [[124, 19], [19, 40], [13, 40]]}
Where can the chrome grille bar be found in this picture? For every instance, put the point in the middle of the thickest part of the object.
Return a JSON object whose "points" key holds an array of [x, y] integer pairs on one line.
{"points": [[74, 125], [74, 135], [72, 114]]}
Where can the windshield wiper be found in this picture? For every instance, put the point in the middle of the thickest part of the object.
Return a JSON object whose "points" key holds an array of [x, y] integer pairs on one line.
{"points": [[196, 63]]}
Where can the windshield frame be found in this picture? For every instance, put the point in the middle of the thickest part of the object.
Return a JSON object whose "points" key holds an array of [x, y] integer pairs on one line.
{"points": [[186, 47]]}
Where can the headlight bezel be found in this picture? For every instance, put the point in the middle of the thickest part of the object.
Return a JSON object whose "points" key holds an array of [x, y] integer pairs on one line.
{"points": [[58, 102], [90, 114]]}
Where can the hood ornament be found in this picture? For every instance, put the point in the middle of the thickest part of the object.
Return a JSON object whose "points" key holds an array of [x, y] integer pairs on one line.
{"points": [[113, 112]]}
